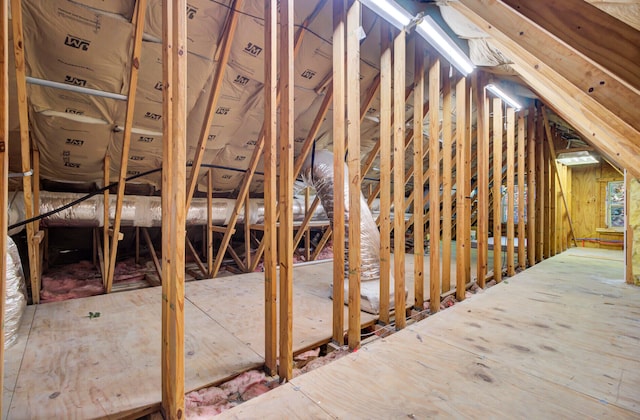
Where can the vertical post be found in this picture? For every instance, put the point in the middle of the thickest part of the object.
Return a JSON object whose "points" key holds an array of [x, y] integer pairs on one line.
{"points": [[546, 247], [482, 107], [210, 221], [434, 183], [521, 206], [531, 187], [469, 134], [247, 233], [461, 215], [628, 237], [174, 72], [353, 162], [540, 193], [418, 176], [4, 166], [385, 171], [36, 188], [105, 225], [510, 191], [270, 184], [285, 191], [497, 189], [447, 177], [553, 209], [339, 117], [307, 235], [399, 60]]}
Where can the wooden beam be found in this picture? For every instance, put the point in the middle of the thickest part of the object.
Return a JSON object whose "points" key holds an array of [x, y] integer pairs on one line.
{"points": [[482, 108], [553, 209], [304, 226], [306, 229], [195, 256], [521, 189], [552, 151], [575, 104], [339, 133], [470, 133], [25, 148], [105, 225], [353, 162], [174, 77], [285, 191], [152, 251], [4, 169], [531, 186], [434, 183], [497, 189], [399, 59], [540, 195], [270, 185], [608, 42], [510, 191], [247, 234], [628, 245], [546, 221], [384, 185], [216, 89], [418, 178], [447, 178], [141, 8], [461, 167], [210, 222]]}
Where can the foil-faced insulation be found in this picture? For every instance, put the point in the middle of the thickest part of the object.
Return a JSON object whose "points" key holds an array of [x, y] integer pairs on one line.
{"points": [[16, 301], [318, 172]]}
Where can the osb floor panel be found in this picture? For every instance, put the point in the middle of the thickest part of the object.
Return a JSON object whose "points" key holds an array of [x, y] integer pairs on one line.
{"points": [[66, 365], [560, 340]]}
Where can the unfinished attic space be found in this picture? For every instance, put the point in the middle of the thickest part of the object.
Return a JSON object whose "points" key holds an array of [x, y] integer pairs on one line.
{"points": [[320, 209]]}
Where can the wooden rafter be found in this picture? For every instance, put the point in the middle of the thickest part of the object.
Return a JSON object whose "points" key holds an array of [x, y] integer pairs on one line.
{"points": [[141, 8]]}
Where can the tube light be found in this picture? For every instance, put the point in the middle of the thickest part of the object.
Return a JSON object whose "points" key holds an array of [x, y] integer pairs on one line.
{"points": [[391, 11], [502, 95], [438, 38], [576, 158]]}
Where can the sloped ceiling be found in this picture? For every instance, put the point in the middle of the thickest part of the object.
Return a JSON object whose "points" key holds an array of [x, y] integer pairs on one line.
{"points": [[89, 43]]}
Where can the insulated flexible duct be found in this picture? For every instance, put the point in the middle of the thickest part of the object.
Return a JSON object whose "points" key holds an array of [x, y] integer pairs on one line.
{"points": [[16, 301], [318, 172]]}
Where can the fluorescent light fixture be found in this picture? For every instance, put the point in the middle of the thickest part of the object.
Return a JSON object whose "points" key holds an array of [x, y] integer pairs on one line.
{"points": [[576, 158], [390, 11], [502, 95], [429, 30]]}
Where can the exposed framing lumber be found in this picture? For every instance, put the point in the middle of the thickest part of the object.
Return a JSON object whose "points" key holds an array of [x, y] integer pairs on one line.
{"points": [[4, 167], [546, 217], [531, 186], [482, 108], [469, 135], [497, 189], [152, 251], [195, 256], [540, 196], [628, 246], [552, 151], [462, 141], [285, 190], [216, 89], [434, 183], [553, 209], [174, 75], [247, 235], [141, 8], [339, 133], [418, 178], [510, 191], [353, 163], [25, 148], [521, 189], [210, 221], [552, 79], [385, 171], [447, 178], [105, 225], [306, 230], [270, 239], [399, 58]]}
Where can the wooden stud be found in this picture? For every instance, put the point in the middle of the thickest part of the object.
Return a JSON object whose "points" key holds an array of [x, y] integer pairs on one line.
{"points": [[434, 184], [521, 192], [546, 219], [385, 171], [470, 133], [540, 194], [106, 246], [418, 178], [285, 191], [482, 107], [497, 189], [174, 75], [4, 168], [152, 251], [25, 149], [461, 214], [247, 234], [353, 162], [304, 226], [141, 8], [553, 210], [531, 186], [194, 253], [510, 191], [210, 222], [306, 230], [399, 58], [447, 178], [216, 90], [339, 133], [552, 152], [628, 245], [269, 238], [36, 188]]}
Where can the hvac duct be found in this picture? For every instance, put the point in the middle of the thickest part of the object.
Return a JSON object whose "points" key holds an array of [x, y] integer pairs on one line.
{"points": [[16, 301], [319, 174]]}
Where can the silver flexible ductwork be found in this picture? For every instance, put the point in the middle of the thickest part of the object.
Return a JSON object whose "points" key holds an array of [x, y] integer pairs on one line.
{"points": [[141, 211], [319, 174], [16, 291]]}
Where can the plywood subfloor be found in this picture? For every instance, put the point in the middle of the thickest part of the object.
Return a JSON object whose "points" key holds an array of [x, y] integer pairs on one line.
{"points": [[560, 340], [67, 365]]}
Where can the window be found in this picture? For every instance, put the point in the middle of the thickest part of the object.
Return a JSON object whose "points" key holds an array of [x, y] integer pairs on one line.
{"points": [[615, 205]]}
